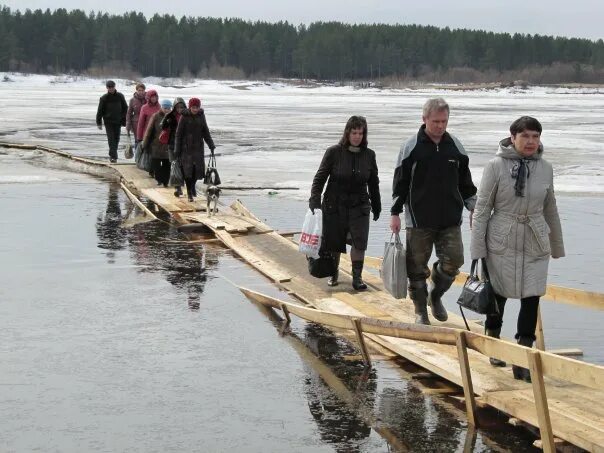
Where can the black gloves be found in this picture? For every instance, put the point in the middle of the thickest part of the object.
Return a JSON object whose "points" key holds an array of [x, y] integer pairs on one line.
{"points": [[314, 204], [376, 216]]}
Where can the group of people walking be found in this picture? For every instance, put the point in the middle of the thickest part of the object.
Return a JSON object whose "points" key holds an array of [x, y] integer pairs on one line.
{"points": [[513, 215], [169, 130]]}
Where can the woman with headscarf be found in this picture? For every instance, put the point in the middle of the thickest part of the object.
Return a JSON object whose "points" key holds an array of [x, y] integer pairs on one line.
{"points": [[191, 133], [146, 112], [134, 107], [352, 192], [153, 144], [516, 227]]}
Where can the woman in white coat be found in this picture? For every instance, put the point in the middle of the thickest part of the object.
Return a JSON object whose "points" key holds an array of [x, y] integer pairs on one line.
{"points": [[516, 227]]}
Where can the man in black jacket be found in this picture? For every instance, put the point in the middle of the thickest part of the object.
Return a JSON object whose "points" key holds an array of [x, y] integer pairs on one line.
{"points": [[112, 111], [432, 181]]}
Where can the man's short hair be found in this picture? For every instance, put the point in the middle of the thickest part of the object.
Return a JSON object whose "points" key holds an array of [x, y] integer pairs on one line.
{"points": [[525, 123], [435, 105], [140, 85]]}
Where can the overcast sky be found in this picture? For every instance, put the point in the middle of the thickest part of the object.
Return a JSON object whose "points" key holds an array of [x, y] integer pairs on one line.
{"points": [[577, 18]]}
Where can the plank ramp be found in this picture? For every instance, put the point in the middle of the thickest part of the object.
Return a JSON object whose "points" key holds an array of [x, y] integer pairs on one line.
{"points": [[577, 413]]}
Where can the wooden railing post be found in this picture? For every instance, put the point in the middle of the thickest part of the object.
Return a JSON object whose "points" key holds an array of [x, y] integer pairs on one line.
{"points": [[540, 343], [466, 377], [288, 319], [358, 330], [545, 424]]}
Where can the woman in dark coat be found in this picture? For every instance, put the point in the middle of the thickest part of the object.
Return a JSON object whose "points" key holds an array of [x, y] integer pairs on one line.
{"points": [[170, 122], [191, 132], [352, 192]]}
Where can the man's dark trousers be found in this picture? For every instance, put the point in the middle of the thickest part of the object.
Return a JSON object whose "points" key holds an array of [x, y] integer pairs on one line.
{"points": [[113, 138]]}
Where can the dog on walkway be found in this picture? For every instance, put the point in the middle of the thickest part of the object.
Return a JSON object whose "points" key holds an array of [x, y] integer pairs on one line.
{"points": [[212, 196]]}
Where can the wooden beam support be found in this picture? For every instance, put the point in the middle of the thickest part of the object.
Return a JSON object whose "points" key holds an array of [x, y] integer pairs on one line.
{"points": [[540, 342], [137, 202], [358, 330], [288, 319], [466, 376], [545, 423]]}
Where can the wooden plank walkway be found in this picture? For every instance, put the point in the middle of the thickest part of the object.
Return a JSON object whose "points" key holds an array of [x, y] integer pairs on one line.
{"points": [[576, 412]]}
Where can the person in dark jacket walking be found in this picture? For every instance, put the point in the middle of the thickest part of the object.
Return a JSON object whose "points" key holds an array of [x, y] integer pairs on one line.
{"points": [[153, 144], [134, 109], [432, 180], [112, 112], [170, 122], [352, 192], [191, 132]]}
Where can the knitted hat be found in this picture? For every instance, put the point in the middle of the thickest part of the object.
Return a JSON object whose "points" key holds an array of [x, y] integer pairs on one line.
{"points": [[166, 104], [194, 102], [110, 84]]}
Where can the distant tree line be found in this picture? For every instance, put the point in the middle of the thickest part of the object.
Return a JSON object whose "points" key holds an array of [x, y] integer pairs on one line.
{"points": [[64, 41]]}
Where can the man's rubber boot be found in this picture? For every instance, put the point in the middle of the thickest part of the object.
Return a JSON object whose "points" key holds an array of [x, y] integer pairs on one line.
{"points": [[333, 280], [495, 333], [418, 292], [519, 372], [440, 282], [357, 271]]}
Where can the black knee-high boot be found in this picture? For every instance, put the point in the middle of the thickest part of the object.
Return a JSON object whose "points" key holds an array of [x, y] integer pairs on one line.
{"points": [[333, 280], [357, 271]]}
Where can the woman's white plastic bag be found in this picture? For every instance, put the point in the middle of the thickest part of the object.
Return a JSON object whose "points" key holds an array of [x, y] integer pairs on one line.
{"points": [[394, 268], [310, 240]]}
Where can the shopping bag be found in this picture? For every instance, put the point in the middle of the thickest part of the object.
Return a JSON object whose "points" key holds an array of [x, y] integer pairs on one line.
{"points": [[128, 153], [211, 177], [394, 267], [477, 293], [312, 229], [146, 161], [176, 176], [164, 136], [138, 155]]}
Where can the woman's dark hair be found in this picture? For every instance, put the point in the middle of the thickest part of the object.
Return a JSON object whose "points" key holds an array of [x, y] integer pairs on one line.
{"points": [[525, 123], [354, 122]]}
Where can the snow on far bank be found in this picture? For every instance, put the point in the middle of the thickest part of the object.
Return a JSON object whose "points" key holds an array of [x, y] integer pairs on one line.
{"points": [[22, 80]]}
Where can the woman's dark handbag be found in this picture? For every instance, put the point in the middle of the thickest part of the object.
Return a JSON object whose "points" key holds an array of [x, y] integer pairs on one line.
{"points": [[211, 177], [477, 294], [324, 266]]}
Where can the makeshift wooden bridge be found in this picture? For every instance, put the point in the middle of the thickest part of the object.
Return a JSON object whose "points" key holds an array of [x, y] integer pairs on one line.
{"points": [[566, 397]]}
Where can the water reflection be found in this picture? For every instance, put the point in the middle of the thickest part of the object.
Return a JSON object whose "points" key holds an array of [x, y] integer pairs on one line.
{"points": [[111, 236], [338, 424], [155, 247], [348, 402]]}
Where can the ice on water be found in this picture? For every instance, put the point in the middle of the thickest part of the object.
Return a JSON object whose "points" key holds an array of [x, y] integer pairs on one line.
{"points": [[276, 132]]}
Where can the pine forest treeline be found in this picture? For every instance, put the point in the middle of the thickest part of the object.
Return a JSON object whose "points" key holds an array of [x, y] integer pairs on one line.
{"points": [[64, 41]]}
